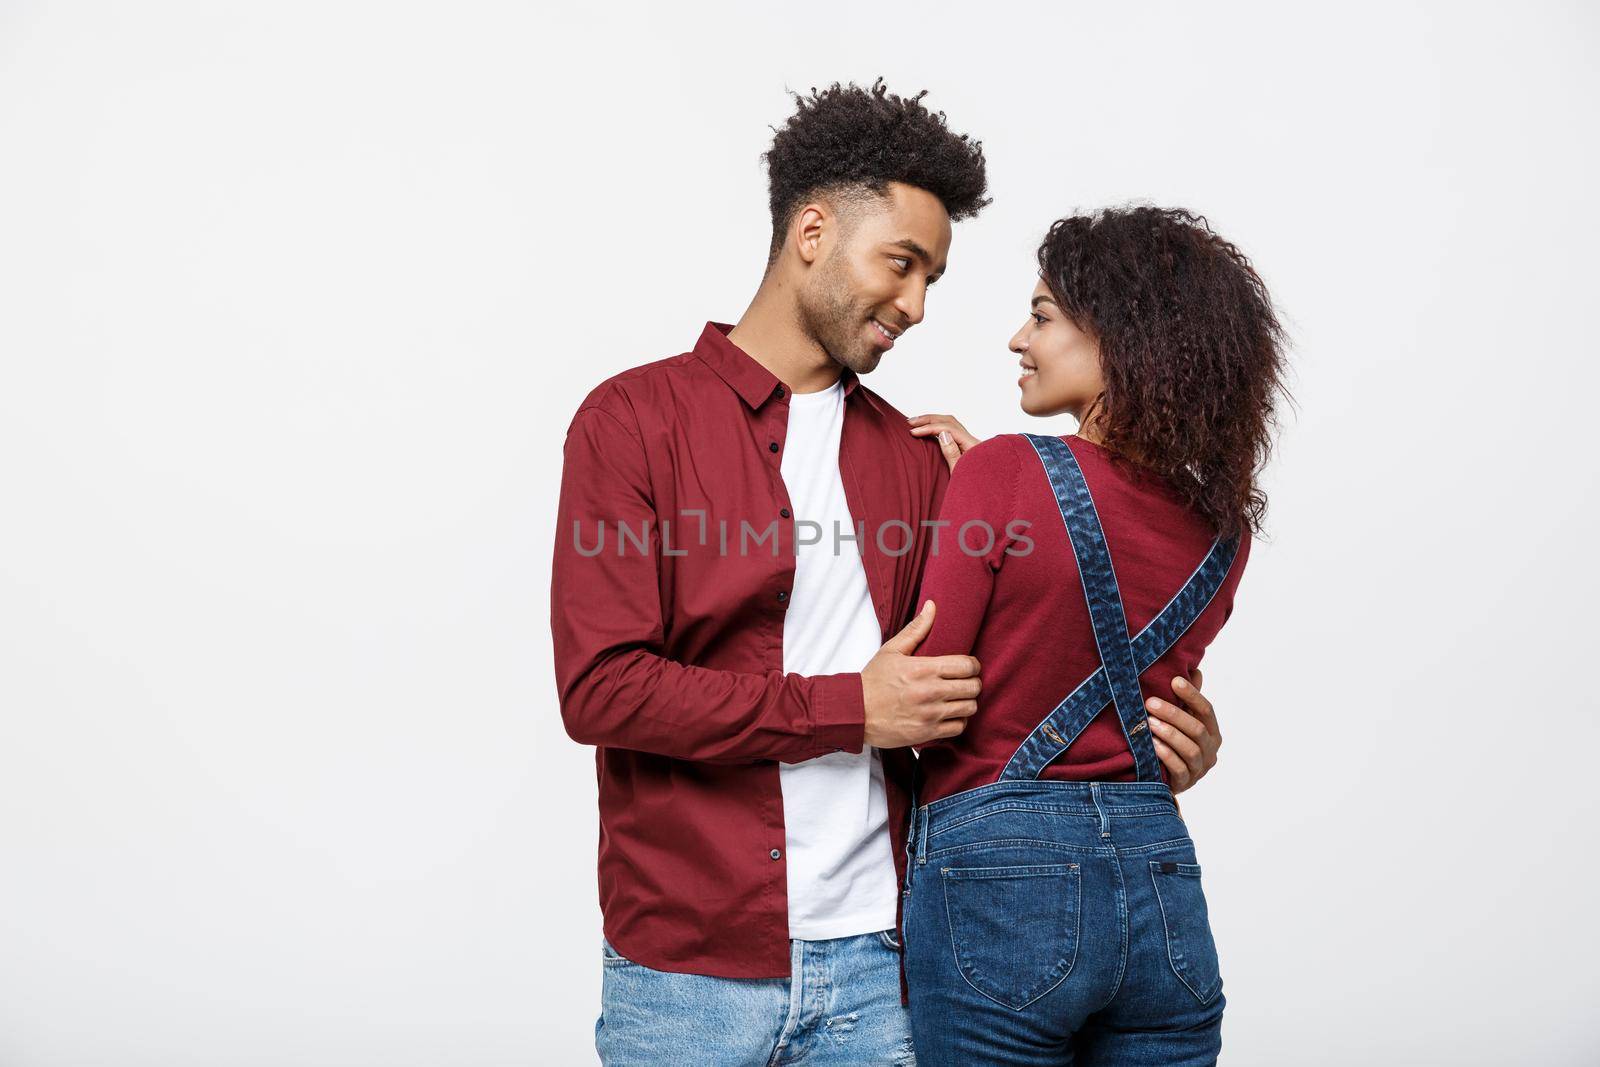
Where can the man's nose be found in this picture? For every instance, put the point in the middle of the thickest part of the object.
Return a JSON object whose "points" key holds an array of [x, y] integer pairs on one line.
{"points": [[910, 305]]}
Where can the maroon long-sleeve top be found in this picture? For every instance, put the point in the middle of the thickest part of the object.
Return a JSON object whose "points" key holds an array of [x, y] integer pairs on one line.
{"points": [[668, 640], [1019, 606]]}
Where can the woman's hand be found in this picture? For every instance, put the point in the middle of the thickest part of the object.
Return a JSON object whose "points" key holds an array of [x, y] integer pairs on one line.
{"points": [[1186, 741], [953, 437]]}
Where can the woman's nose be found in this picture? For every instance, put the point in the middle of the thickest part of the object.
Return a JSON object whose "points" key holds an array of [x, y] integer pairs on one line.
{"points": [[1018, 345]]}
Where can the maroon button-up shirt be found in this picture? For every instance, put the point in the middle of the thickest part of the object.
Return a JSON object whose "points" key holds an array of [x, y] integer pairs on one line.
{"points": [[674, 558]]}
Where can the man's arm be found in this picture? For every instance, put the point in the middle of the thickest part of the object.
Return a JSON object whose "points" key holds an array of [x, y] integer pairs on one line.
{"points": [[1186, 741], [615, 685], [618, 689]]}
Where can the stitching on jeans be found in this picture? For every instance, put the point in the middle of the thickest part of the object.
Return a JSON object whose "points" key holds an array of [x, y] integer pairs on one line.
{"points": [[1176, 842], [1011, 870], [1009, 786], [1012, 842], [1141, 811], [1166, 930], [1123, 926], [1076, 876]]}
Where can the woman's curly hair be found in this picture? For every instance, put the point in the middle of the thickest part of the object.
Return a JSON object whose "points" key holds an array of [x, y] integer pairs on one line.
{"points": [[846, 136], [1191, 350]]}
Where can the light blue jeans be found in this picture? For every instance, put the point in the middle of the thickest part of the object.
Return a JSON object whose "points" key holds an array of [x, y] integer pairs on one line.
{"points": [[841, 1006]]}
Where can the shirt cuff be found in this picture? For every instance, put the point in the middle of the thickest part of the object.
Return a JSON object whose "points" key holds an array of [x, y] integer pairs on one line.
{"points": [[838, 713]]}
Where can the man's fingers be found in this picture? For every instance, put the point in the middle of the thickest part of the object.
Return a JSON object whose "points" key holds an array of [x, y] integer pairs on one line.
{"points": [[1177, 741], [961, 688], [960, 709], [1177, 770], [910, 636], [956, 666], [1190, 725], [950, 728], [1191, 696]]}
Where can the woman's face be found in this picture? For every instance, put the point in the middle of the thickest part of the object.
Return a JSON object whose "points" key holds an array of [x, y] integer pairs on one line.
{"points": [[1060, 363]]}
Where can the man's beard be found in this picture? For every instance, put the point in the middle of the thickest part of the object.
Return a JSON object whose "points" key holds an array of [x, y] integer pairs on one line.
{"points": [[833, 319]]}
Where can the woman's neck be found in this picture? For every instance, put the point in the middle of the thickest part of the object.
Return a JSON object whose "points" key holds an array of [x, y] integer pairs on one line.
{"points": [[1090, 427]]}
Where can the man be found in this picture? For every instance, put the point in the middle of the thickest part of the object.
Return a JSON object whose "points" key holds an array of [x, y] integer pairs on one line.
{"points": [[741, 532]]}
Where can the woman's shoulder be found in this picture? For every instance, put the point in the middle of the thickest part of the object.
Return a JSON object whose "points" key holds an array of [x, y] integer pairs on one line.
{"points": [[984, 479], [991, 466], [993, 455]]}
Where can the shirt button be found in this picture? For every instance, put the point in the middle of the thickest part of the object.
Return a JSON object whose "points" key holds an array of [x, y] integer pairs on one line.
{"points": [[778, 392], [783, 594], [775, 854], [772, 447], [784, 512]]}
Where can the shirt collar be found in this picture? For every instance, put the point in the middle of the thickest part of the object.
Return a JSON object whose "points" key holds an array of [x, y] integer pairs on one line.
{"points": [[754, 383]]}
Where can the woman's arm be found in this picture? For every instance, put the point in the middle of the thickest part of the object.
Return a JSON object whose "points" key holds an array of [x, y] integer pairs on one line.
{"points": [[969, 545]]}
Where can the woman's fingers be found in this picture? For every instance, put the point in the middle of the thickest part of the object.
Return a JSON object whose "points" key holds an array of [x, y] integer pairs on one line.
{"points": [[949, 448], [953, 437], [932, 426], [926, 425]]}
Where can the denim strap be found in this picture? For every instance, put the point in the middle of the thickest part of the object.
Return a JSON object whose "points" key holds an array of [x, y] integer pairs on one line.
{"points": [[1122, 660]]}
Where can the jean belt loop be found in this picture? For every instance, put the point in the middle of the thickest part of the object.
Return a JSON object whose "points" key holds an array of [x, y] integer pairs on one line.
{"points": [[1100, 809], [922, 836]]}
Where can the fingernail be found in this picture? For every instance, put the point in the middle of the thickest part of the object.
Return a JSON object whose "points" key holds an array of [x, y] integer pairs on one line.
{"points": [[1180, 683], [1152, 703], [944, 437]]}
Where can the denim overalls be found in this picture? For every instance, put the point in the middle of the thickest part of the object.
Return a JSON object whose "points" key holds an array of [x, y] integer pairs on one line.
{"points": [[1046, 920]]}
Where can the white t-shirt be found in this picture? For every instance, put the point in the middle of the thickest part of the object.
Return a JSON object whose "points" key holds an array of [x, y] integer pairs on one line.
{"points": [[836, 816]]}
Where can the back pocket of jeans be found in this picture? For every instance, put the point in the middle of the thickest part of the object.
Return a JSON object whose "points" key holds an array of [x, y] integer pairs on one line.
{"points": [[1190, 947], [1014, 930]]}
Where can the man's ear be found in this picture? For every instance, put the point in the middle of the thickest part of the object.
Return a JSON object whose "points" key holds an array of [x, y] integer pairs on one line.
{"points": [[814, 225]]}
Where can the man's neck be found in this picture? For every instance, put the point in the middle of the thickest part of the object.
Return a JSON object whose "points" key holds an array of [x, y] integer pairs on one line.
{"points": [[770, 332]]}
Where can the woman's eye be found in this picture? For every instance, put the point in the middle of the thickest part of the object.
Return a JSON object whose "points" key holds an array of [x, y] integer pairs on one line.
{"points": [[1038, 319]]}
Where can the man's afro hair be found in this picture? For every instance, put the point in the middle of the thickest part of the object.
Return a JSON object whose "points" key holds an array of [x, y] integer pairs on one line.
{"points": [[847, 136]]}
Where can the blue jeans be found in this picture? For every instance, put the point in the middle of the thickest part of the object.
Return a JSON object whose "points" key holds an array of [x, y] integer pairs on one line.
{"points": [[841, 1006], [1053, 922]]}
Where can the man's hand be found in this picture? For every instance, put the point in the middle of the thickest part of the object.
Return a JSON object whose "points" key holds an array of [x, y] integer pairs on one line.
{"points": [[1186, 741], [954, 440], [912, 700]]}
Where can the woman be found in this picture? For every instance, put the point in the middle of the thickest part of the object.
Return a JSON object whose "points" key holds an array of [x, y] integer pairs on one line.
{"points": [[1054, 911]]}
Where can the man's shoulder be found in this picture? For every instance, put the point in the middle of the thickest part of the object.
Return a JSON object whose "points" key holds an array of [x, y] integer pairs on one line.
{"points": [[893, 422], [640, 388]]}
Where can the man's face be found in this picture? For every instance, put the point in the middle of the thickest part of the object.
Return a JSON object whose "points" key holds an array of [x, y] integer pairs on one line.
{"points": [[870, 286]]}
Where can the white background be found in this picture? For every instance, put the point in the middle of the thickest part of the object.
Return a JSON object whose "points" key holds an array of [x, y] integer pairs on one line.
{"points": [[296, 301]]}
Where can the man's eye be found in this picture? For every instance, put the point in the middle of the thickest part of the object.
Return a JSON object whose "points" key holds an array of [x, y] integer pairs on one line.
{"points": [[901, 263]]}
